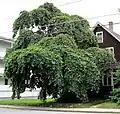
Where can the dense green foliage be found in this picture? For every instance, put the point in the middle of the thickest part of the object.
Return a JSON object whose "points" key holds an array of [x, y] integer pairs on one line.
{"points": [[25, 38], [77, 74], [34, 64], [115, 96], [47, 20], [53, 51], [117, 75], [104, 60]]}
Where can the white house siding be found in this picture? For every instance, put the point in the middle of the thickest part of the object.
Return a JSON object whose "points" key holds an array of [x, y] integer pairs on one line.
{"points": [[6, 90], [1, 64], [3, 46], [2, 81]]}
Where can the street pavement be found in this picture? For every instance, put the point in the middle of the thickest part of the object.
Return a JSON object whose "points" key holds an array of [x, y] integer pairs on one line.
{"points": [[15, 111]]}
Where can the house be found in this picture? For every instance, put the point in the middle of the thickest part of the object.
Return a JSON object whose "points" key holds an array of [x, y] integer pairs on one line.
{"points": [[5, 89], [5, 44], [108, 39]]}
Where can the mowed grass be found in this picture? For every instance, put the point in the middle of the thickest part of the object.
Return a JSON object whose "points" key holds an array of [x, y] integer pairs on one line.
{"points": [[27, 102], [53, 104], [49, 103], [109, 105]]}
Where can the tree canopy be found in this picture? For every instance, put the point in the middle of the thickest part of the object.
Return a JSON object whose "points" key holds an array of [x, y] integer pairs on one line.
{"points": [[54, 51], [104, 59], [47, 21]]}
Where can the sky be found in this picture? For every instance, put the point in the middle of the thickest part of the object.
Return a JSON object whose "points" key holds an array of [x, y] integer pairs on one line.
{"points": [[9, 11]]}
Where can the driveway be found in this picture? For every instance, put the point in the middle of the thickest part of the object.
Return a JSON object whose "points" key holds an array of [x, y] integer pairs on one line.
{"points": [[13, 111]]}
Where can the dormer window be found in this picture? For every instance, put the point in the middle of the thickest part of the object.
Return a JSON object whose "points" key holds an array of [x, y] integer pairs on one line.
{"points": [[100, 36]]}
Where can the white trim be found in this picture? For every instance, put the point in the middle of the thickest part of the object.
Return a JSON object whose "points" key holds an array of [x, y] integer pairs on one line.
{"points": [[1, 58], [9, 40], [101, 37], [108, 78], [109, 48], [1, 70], [5, 40], [98, 23]]}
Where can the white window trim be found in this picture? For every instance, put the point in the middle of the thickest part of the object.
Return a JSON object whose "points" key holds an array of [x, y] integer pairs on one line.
{"points": [[107, 76], [112, 49], [111, 77], [102, 36]]}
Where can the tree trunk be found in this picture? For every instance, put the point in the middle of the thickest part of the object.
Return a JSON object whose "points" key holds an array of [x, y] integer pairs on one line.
{"points": [[42, 94]]}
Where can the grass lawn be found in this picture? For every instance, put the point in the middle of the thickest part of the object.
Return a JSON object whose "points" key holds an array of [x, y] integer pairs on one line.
{"points": [[27, 102], [50, 103], [109, 105]]}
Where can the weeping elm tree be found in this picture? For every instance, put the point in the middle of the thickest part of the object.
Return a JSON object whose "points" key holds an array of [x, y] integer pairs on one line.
{"points": [[51, 52]]}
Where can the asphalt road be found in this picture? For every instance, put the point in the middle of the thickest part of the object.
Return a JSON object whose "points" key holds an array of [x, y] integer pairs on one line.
{"points": [[13, 111]]}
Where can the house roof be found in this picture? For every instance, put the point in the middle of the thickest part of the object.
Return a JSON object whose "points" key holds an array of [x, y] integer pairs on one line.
{"points": [[5, 39], [114, 34]]}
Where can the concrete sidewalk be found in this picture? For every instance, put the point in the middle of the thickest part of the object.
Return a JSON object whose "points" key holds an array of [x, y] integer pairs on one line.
{"points": [[84, 110]]}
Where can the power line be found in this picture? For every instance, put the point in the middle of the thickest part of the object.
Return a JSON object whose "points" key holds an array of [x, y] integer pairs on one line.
{"points": [[7, 18], [68, 3], [117, 23], [81, 19], [5, 32], [71, 2], [107, 15], [101, 16], [65, 23], [73, 20]]}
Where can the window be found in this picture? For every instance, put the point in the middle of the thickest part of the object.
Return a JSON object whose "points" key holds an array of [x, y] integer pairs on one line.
{"points": [[100, 36], [111, 49], [107, 81], [6, 81]]}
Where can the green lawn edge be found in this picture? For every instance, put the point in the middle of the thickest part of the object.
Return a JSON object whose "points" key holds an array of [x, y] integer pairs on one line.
{"points": [[52, 104]]}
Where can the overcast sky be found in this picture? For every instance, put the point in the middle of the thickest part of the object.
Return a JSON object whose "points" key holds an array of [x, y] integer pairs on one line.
{"points": [[9, 10]]}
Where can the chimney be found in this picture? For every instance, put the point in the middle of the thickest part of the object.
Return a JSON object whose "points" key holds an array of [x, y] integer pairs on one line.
{"points": [[111, 25]]}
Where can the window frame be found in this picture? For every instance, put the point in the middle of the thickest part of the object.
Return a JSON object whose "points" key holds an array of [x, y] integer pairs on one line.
{"points": [[109, 48], [101, 38], [107, 79], [6, 81]]}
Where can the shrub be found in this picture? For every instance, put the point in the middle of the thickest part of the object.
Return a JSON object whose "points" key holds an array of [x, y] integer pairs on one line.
{"points": [[116, 74], [115, 95]]}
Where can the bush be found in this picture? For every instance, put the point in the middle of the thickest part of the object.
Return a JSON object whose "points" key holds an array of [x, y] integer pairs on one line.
{"points": [[115, 96], [116, 74]]}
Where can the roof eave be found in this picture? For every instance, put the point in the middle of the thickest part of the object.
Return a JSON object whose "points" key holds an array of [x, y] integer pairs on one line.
{"points": [[98, 23]]}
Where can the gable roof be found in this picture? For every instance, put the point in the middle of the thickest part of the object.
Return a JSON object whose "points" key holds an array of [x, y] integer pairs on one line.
{"points": [[5, 39], [115, 35]]}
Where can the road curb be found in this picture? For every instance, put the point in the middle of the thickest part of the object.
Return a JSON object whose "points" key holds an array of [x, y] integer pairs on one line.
{"points": [[82, 110]]}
